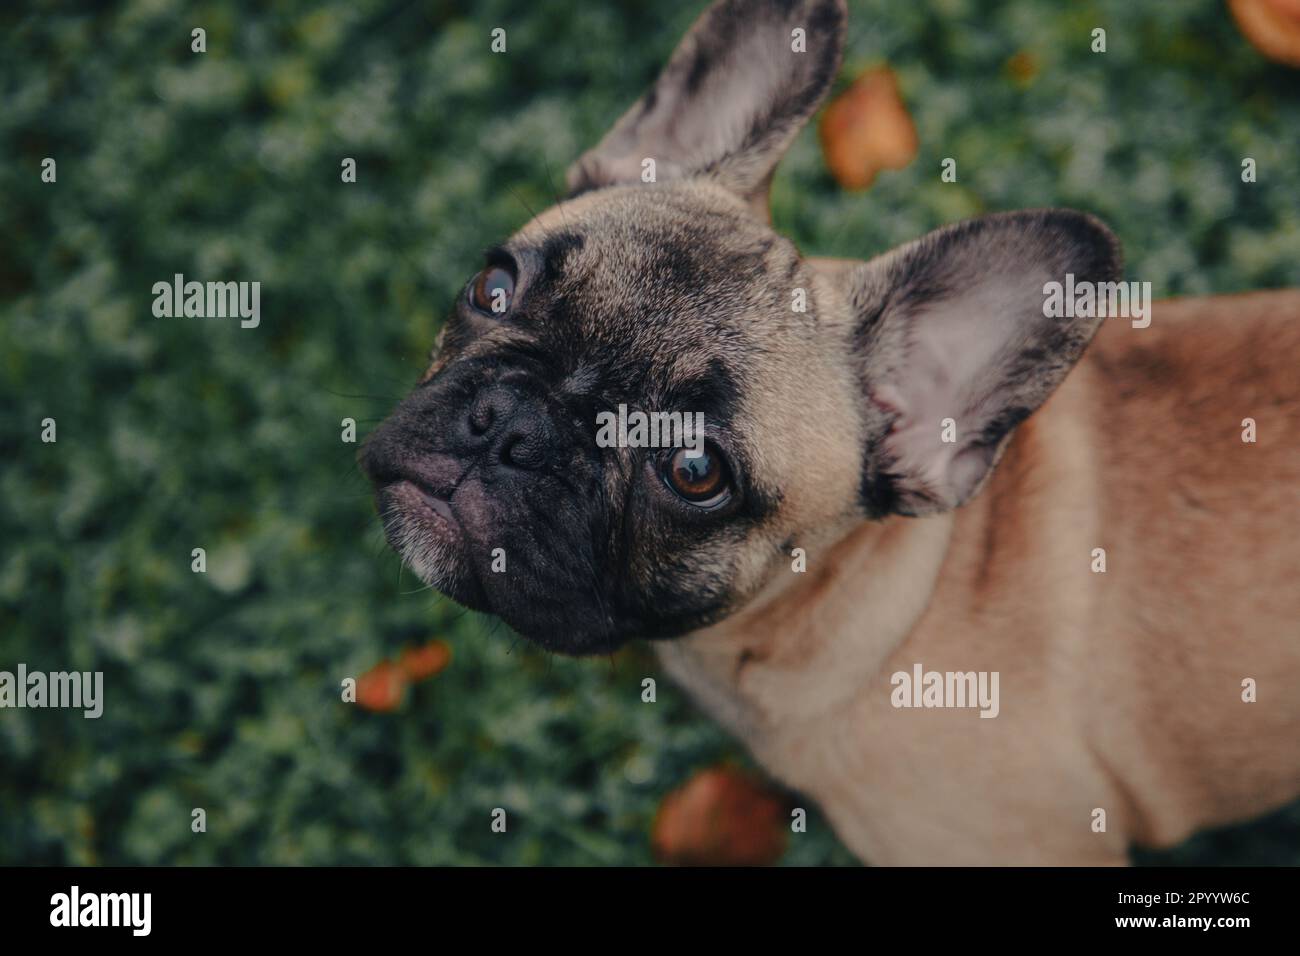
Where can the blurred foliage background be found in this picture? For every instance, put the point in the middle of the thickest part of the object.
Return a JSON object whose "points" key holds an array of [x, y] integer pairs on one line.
{"points": [[222, 689]]}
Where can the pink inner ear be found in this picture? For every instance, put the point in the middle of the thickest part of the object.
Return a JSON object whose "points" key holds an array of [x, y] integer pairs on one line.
{"points": [[917, 454], [923, 462], [949, 370]]}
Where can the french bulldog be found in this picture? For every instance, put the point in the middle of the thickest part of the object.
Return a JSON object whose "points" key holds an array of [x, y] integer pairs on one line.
{"points": [[924, 467]]}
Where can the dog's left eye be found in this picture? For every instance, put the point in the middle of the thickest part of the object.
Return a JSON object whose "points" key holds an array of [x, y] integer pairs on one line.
{"points": [[492, 290], [704, 481]]}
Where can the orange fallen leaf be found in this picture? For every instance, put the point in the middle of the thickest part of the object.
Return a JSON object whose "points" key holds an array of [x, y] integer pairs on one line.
{"points": [[1290, 8], [867, 129], [1271, 26], [421, 663], [720, 817], [1023, 68], [381, 688]]}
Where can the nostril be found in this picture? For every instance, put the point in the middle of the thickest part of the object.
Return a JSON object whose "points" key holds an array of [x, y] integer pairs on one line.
{"points": [[522, 450], [481, 417], [488, 410]]}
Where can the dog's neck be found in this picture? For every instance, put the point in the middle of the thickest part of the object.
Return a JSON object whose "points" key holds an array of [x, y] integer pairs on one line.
{"points": [[813, 639]]}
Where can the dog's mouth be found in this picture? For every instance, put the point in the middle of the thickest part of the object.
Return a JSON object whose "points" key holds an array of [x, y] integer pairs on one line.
{"points": [[422, 504], [485, 540], [417, 491], [417, 505], [447, 537]]}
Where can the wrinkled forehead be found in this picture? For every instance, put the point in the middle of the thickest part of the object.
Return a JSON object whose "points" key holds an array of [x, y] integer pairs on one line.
{"points": [[670, 284]]}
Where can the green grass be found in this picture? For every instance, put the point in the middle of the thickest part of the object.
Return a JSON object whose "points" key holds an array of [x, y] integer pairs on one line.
{"points": [[222, 689]]}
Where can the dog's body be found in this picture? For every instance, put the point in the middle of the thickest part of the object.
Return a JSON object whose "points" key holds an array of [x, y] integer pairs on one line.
{"points": [[1120, 690], [855, 415]]}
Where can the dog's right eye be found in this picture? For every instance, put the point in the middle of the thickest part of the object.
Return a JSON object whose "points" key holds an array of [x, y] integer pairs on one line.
{"points": [[492, 290]]}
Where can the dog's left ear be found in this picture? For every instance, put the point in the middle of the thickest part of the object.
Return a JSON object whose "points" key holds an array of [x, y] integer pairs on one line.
{"points": [[739, 86], [959, 337]]}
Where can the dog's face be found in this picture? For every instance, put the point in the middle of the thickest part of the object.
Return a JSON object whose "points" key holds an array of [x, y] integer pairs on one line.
{"points": [[658, 298], [824, 394]]}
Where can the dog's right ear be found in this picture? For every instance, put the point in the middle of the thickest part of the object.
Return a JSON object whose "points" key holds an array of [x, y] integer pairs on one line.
{"points": [[739, 86]]}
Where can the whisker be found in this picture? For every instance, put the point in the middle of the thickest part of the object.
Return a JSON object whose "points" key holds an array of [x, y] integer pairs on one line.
{"points": [[527, 208]]}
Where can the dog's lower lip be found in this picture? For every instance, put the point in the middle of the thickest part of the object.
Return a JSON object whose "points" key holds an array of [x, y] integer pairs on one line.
{"points": [[441, 507]]}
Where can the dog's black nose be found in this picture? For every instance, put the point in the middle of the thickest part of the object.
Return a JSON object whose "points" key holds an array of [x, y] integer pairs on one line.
{"points": [[489, 408], [516, 432]]}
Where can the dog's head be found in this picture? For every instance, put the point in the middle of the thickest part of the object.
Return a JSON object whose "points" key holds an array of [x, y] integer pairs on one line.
{"points": [[659, 286]]}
